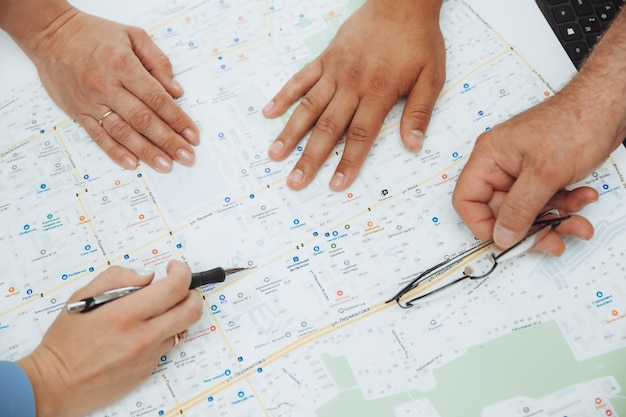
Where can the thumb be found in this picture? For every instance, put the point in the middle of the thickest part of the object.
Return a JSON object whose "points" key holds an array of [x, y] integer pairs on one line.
{"points": [[418, 111], [526, 198]]}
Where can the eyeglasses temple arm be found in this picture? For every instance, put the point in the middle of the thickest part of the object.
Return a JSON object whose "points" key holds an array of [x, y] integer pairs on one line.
{"points": [[427, 273]]}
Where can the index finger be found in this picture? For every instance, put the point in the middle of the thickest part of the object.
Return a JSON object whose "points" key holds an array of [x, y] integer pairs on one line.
{"points": [[162, 295], [154, 60], [295, 88]]}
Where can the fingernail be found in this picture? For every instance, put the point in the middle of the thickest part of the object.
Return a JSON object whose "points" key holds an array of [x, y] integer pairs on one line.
{"points": [[268, 107], [337, 180], [504, 237], [415, 140], [191, 136], [296, 176], [128, 162], [277, 148], [162, 164], [179, 88], [185, 157], [145, 272]]}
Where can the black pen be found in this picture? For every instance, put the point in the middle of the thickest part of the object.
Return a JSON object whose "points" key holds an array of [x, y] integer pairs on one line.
{"points": [[198, 279]]}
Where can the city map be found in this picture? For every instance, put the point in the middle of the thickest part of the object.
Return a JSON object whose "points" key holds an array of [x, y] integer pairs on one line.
{"points": [[305, 330]]}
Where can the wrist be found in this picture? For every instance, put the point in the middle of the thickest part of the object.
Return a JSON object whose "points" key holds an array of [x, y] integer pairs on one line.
{"points": [[47, 403], [32, 23]]}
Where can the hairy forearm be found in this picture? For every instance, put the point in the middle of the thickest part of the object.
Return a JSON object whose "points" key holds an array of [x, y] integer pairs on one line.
{"points": [[601, 82], [408, 9], [31, 22]]}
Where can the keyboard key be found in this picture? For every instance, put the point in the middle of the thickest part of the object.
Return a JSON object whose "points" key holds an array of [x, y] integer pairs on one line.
{"points": [[590, 25], [593, 39], [579, 24], [570, 32], [606, 12], [564, 13], [583, 7], [576, 50]]}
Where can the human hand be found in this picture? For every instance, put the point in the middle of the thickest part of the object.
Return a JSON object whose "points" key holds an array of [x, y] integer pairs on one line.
{"points": [[525, 164], [384, 51], [91, 65], [86, 361]]}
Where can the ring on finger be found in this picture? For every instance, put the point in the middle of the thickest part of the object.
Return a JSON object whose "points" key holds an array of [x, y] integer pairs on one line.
{"points": [[104, 116], [180, 337]]}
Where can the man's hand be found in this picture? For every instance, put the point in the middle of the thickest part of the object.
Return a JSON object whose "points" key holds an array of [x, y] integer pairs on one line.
{"points": [[386, 50], [524, 165]]}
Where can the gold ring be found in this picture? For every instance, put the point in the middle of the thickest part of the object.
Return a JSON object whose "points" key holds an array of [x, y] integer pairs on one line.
{"points": [[180, 337], [101, 120]]}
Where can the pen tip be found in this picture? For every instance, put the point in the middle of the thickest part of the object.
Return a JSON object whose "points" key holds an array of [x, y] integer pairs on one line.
{"points": [[233, 270]]}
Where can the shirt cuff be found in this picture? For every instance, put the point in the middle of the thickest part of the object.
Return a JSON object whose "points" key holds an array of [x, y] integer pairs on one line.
{"points": [[16, 393]]}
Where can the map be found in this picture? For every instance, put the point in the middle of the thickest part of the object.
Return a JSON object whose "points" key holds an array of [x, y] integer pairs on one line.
{"points": [[305, 331]]}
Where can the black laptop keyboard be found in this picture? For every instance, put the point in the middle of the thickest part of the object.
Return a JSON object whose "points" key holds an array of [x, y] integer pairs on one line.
{"points": [[579, 23]]}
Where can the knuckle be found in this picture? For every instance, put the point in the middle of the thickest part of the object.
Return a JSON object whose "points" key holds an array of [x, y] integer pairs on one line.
{"points": [[169, 143], [119, 129], [516, 214], [358, 135], [420, 112], [117, 60], [141, 119], [347, 164], [307, 160], [99, 136], [156, 99], [310, 102], [378, 83], [137, 32], [327, 126], [96, 82], [436, 78], [355, 74], [146, 153], [164, 62]]}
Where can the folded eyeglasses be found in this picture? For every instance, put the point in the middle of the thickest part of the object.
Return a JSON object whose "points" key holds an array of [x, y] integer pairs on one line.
{"points": [[436, 278]]}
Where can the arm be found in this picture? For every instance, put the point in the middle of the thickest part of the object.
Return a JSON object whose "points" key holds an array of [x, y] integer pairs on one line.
{"points": [[386, 50], [90, 66], [86, 361], [16, 394], [526, 163]]}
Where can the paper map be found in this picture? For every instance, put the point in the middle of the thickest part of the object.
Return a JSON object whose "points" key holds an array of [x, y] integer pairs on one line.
{"points": [[305, 331]]}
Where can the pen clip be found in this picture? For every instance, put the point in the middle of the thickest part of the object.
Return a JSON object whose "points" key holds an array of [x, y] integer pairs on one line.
{"points": [[90, 303]]}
